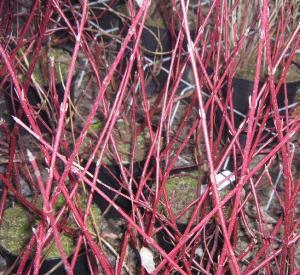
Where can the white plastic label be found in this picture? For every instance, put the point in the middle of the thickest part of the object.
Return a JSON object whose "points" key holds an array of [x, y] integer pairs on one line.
{"points": [[147, 259]]}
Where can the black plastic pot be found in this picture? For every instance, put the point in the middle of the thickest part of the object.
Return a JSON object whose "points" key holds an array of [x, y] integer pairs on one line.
{"points": [[164, 239], [157, 43], [243, 89], [111, 176], [154, 40], [166, 243], [35, 101], [81, 266]]}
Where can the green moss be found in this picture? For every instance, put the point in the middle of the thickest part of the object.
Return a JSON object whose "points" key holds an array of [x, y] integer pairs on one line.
{"points": [[247, 70], [94, 218], [293, 73], [154, 17], [189, 180], [41, 75], [182, 190], [62, 60], [17, 228], [38, 76], [123, 135], [247, 73], [61, 65], [60, 202], [51, 250], [95, 127], [157, 21]]}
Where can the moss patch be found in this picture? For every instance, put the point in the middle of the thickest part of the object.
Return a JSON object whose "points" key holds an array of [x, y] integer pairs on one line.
{"points": [[17, 228], [41, 74], [62, 60], [182, 190], [68, 245], [247, 70], [123, 136]]}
